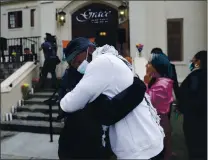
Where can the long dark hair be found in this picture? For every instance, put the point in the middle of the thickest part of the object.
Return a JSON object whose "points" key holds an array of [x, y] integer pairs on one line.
{"points": [[162, 65], [157, 51], [202, 56]]}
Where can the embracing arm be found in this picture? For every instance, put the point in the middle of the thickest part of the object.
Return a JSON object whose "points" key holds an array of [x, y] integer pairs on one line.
{"points": [[97, 77], [110, 111], [62, 88]]}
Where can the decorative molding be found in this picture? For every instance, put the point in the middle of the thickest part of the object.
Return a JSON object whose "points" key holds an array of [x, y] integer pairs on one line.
{"points": [[46, 2], [69, 2], [123, 21], [2, 2]]}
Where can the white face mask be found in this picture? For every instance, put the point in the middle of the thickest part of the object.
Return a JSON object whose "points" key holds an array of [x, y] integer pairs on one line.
{"points": [[83, 66]]}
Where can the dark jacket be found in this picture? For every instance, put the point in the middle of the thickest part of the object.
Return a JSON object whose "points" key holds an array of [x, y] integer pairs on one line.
{"points": [[82, 133], [175, 81], [48, 50], [193, 94], [193, 104], [69, 80]]}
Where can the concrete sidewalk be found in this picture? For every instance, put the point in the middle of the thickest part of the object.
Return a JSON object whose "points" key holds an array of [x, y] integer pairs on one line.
{"points": [[4, 156], [29, 146]]}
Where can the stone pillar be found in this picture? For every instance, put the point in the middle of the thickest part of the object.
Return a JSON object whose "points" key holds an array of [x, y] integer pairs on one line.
{"points": [[156, 26], [47, 23], [63, 33], [138, 21]]}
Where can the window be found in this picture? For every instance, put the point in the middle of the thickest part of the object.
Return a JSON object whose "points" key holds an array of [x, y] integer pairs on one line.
{"points": [[15, 19], [175, 39], [32, 17]]}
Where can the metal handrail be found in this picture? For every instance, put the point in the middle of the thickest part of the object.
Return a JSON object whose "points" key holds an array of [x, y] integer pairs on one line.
{"points": [[50, 102]]}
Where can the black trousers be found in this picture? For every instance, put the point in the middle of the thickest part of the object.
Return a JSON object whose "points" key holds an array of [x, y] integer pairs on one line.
{"points": [[49, 66], [195, 133], [81, 138], [169, 114]]}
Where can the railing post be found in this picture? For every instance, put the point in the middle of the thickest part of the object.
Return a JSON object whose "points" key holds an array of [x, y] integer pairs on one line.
{"points": [[50, 102], [21, 51], [51, 124]]}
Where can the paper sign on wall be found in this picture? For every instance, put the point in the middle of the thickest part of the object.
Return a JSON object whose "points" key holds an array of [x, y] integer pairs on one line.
{"points": [[64, 43]]}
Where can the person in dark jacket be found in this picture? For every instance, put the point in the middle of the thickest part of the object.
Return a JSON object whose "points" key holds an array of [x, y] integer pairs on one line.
{"points": [[49, 65], [174, 76], [193, 105], [81, 136]]}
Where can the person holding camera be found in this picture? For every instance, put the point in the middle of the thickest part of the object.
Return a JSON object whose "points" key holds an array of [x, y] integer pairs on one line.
{"points": [[50, 62]]}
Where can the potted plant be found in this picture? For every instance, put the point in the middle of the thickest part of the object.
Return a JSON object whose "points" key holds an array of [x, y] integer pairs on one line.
{"points": [[25, 91]]}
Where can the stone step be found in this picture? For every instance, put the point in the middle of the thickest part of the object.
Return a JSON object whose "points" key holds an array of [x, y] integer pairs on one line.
{"points": [[42, 95], [38, 108], [7, 134], [31, 126], [46, 90], [35, 100], [35, 116]]}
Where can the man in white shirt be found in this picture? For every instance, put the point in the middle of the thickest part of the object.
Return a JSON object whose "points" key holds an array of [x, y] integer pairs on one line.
{"points": [[138, 135], [81, 136]]}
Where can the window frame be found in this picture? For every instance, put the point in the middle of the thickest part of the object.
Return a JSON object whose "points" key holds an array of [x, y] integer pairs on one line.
{"points": [[32, 17], [16, 19], [181, 21]]}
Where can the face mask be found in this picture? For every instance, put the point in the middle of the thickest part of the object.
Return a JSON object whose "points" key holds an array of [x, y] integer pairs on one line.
{"points": [[191, 66], [83, 66]]}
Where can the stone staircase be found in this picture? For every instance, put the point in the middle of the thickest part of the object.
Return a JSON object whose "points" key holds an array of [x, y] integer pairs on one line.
{"points": [[33, 116]]}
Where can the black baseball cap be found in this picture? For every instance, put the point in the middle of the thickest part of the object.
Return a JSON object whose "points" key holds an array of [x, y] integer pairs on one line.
{"points": [[75, 47]]}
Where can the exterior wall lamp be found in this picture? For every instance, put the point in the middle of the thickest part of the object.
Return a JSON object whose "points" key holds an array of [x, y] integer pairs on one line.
{"points": [[123, 10], [61, 17]]}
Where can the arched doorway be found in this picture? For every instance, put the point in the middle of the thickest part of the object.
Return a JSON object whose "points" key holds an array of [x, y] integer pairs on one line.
{"points": [[93, 20]]}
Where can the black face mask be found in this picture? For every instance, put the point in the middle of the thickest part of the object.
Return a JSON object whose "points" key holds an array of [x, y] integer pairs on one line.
{"points": [[89, 58]]}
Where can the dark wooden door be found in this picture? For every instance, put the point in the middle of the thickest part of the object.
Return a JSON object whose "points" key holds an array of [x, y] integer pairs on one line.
{"points": [[93, 18]]}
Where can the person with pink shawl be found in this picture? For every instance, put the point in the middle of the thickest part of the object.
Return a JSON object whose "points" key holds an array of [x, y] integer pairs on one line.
{"points": [[159, 87]]}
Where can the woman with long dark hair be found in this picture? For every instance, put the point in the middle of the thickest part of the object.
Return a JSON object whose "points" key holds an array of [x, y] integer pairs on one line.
{"points": [[160, 86], [193, 105], [174, 76]]}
